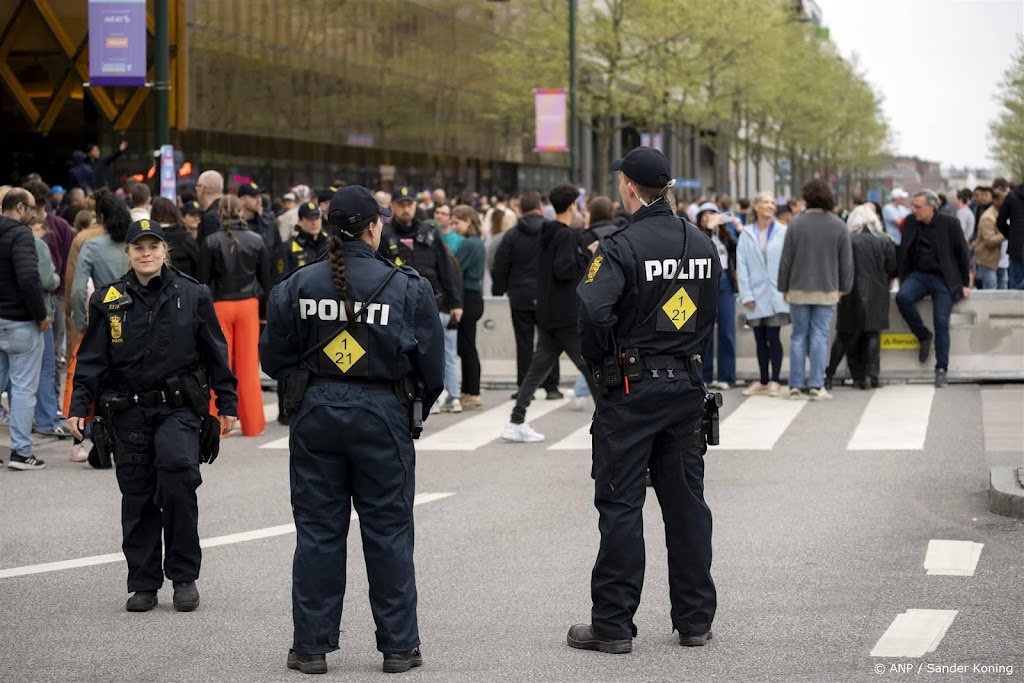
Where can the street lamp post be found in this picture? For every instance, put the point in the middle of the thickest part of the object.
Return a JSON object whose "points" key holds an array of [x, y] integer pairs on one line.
{"points": [[162, 59], [574, 131]]}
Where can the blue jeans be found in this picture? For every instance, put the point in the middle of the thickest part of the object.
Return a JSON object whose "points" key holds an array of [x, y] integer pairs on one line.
{"points": [[451, 369], [987, 276], [915, 287], [726, 333], [46, 395], [1003, 278], [581, 389], [809, 338], [21, 357], [1016, 275]]}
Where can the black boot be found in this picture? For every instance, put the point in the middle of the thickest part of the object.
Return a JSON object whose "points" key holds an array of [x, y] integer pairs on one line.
{"points": [[306, 663], [828, 382], [687, 640], [186, 596], [584, 637], [875, 383], [925, 350], [400, 662], [142, 601]]}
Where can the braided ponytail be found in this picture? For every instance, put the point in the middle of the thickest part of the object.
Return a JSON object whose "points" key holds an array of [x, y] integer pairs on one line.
{"points": [[337, 256]]}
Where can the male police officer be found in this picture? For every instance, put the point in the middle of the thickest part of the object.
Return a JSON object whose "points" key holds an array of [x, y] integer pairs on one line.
{"points": [[644, 320], [309, 243]]}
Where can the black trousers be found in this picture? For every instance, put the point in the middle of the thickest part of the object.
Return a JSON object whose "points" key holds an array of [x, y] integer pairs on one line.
{"points": [[524, 324], [550, 345], [159, 498], [862, 351], [631, 435], [472, 311]]}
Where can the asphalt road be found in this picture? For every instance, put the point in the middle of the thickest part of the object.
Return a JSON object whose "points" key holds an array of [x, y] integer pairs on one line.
{"points": [[818, 549]]}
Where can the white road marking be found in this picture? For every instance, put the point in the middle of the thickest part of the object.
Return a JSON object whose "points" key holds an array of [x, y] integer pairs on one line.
{"points": [[471, 433], [758, 423], [895, 419], [278, 444], [914, 633], [952, 558], [229, 539], [580, 440]]}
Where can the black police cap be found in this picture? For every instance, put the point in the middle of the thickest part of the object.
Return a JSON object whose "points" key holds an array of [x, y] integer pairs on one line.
{"points": [[308, 209], [140, 229], [404, 194], [248, 190], [646, 166], [351, 206], [192, 208], [326, 194]]}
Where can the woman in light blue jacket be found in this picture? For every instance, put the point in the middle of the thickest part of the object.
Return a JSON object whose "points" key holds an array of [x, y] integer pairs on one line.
{"points": [[757, 272]]}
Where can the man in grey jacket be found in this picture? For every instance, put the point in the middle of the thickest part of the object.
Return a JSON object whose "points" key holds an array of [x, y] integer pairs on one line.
{"points": [[816, 269]]}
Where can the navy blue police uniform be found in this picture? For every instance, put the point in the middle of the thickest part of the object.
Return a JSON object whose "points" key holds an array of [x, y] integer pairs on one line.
{"points": [[303, 248], [650, 317], [350, 437], [148, 358]]}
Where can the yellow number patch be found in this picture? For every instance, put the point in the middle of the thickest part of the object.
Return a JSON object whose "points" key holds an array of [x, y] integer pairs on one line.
{"points": [[344, 351], [595, 266], [680, 308], [111, 295]]}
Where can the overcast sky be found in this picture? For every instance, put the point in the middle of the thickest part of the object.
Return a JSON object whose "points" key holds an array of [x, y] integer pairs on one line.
{"points": [[958, 48]]}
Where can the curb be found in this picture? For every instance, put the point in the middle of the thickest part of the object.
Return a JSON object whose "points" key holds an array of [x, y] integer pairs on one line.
{"points": [[1005, 495]]}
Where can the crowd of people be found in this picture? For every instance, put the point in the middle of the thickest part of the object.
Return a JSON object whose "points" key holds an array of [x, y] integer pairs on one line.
{"points": [[792, 263]]}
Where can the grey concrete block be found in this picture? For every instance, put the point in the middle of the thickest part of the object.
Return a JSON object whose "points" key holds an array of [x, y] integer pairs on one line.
{"points": [[1005, 496]]}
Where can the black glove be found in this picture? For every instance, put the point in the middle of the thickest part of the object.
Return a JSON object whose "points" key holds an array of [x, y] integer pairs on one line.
{"points": [[209, 439]]}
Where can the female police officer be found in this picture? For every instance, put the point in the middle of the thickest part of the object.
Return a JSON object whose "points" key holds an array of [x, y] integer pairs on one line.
{"points": [[151, 351], [350, 335]]}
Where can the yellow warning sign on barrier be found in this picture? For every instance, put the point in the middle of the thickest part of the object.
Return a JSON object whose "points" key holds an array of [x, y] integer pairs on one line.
{"points": [[900, 341]]}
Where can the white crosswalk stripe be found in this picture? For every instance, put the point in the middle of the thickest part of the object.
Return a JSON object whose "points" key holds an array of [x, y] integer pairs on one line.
{"points": [[914, 633], [474, 432], [577, 441], [896, 419], [758, 423]]}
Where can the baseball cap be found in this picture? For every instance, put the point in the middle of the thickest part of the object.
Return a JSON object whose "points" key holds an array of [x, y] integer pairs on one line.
{"points": [[308, 209], [248, 190], [899, 193], [645, 165], [140, 229], [707, 206], [326, 194], [192, 209], [403, 194], [352, 205], [57, 189], [289, 197]]}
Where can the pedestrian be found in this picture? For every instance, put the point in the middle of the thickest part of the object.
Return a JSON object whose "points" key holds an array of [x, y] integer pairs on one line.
{"points": [[234, 264], [723, 230], [80, 175], [893, 214], [58, 237], [816, 269], [758, 254], [442, 218], [933, 261], [653, 330], [183, 251], [150, 354], [141, 198], [100, 165], [209, 190], [287, 221], [471, 256], [309, 243], [990, 248], [191, 217], [864, 312], [515, 273], [498, 220], [408, 241], [342, 333], [102, 259], [561, 264], [23, 321], [1010, 222]]}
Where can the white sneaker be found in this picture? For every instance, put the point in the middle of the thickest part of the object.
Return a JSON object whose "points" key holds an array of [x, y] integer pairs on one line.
{"points": [[774, 389], [756, 389], [796, 395], [521, 433], [820, 394], [579, 403], [436, 408], [724, 386], [453, 406]]}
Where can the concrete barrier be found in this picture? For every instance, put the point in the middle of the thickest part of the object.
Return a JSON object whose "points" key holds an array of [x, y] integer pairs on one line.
{"points": [[986, 343]]}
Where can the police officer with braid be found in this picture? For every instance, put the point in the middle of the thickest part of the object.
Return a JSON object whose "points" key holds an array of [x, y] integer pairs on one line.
{"points": [[359, 345], [150, 354], [644, 321]]}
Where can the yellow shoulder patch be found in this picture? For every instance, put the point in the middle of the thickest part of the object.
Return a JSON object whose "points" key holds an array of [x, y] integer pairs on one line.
{"points": [[595, 266], [399, 261], [111, 295], [295, 247]]}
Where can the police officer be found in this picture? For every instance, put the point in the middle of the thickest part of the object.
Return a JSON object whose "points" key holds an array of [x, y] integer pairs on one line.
{"points": [[359, 345], [151, 351], [309, 243], [644, 320]]}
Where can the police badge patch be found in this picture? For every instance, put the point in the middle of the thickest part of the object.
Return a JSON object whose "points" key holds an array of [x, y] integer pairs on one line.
{"points": [[115, 329], [595, 266]]}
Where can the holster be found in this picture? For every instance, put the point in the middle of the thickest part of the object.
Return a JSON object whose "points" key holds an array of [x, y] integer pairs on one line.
{"points": [[102, 439], [295, 386], [709, 419], [416, 408]]}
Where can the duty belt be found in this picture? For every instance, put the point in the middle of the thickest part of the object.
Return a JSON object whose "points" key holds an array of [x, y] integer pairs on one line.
{"points": [[669, 364], [149, 399], [318, 380]]}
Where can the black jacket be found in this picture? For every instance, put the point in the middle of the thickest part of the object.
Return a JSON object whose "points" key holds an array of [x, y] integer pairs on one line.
{"points": [[80, 174], [1011, 223], [100, 168], [131, 346], [21, 291], [265, 225], [515, 263], [950, 247], [561, 264], [300, 250], [210, 222], [235, 272], [866, 307], [419, 247], [184, 250]]}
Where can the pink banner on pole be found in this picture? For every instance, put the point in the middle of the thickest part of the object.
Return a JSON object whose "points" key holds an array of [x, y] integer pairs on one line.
{"points": [[552, 132]]}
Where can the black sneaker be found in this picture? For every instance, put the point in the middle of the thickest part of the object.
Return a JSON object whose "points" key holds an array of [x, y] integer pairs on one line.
{"points": [[307, 664], [698, 640], [282, 420], [142, 601], [583, 637], [875, 383], [940, 378], [828, 382], [400, 662], [186, 596], [25, 462], [555, 394], [925, 350]]}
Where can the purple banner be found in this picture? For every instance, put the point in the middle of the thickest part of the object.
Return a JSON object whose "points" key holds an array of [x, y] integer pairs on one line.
{"points": [[117, 42]]}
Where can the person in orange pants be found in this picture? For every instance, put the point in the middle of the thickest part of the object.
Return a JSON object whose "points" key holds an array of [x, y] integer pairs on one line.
{"points": [[234, 263]]}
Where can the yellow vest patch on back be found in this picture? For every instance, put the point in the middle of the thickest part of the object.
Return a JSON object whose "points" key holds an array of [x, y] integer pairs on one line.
{"points": [[679, 310], [595, 266], [111, 295], [344, 351]]}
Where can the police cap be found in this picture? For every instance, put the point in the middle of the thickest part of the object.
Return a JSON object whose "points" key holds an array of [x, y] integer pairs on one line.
{"points": [[326, 194], [351, 206], [309, 210], [140, 229], [248, 190], [646, 166], [192, 208], [403, 194]]}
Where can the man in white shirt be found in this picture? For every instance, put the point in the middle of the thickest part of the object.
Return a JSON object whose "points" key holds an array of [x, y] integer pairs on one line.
{"points": [[893, 214]]}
